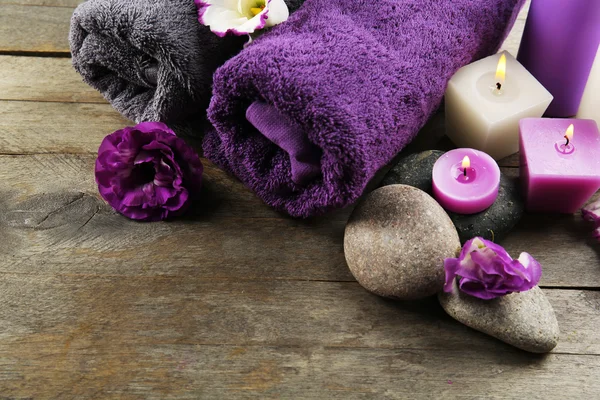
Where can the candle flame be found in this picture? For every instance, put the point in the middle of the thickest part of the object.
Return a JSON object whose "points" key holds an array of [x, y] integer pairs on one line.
{"points": [[570, 132], [466, 162], [501, 71]]}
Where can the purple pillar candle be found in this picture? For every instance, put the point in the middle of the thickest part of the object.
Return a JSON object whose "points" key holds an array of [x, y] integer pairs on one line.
{"points": [[559, 175], [558, 48], [466, 181]]}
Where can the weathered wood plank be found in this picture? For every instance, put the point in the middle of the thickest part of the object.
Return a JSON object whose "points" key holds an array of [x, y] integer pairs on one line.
{"points": [[93, 367], [134, 337], [54, 220], [144, 310], [34, 29], [34, 127], [47, 3], [55, 223], [43, 79]]}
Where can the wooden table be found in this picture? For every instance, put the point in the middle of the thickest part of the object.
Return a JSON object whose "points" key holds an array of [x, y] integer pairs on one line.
{"points": [[236, 300]]}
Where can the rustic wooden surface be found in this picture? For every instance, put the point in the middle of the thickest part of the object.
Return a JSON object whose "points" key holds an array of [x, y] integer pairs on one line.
{"points": [[235, 300]]}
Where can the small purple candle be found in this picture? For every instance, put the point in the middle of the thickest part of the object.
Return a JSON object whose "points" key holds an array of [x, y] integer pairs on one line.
{"points": [[560, 163], [466, 181], [559, 46]]}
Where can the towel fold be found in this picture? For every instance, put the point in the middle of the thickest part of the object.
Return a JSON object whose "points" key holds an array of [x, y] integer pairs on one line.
{"points": [[151, 59], [355, 80]]}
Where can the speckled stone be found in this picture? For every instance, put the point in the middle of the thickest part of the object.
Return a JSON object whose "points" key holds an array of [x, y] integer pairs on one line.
{"points": [[491, 224], [525, 320], [414, 170], [396, 241]]}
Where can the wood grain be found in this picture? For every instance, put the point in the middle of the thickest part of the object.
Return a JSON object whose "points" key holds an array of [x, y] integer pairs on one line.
{"points": [[235, 300], [258, 313], [35, 127], [85, 336], [43, 79], [47, 3], [94, 367], [59, 225], [34, 29]]}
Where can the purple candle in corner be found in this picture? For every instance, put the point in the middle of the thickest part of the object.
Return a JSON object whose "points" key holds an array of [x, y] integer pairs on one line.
{"points": [[560, 163], [559, 46]]}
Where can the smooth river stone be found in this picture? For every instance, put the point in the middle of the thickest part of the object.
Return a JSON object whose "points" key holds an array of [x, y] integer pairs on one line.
{"points": [[491, 224], [525, 320], [396, 241]]}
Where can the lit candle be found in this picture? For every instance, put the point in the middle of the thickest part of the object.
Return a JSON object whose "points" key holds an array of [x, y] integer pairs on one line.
{"points": [[466, 181], [590, 103], [560, 163], [558, 47], [485, 101]]}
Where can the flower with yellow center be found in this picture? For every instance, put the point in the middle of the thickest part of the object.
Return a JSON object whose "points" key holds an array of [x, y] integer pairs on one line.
{"points": [[241, 17]]}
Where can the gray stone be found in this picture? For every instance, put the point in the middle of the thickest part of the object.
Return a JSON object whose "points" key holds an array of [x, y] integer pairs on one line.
{"points": [[396, 241], [414, 170], [525, 320], [491, 224]]}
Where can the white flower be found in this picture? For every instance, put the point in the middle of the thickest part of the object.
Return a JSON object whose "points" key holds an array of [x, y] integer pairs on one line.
{"points": [[241, 17]]}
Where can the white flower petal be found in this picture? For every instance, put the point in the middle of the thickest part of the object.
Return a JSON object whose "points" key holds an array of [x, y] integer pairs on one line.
{"points": [[237, 16], [251, 25], [278, 12]]}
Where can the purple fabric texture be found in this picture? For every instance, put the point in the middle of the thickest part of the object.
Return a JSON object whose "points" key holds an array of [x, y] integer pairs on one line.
{"points": [[288, 136], [359, 78]]}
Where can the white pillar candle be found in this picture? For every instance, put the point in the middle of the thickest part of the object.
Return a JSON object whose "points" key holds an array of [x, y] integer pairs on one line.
{"points": [[590, 103], [484, 106]]}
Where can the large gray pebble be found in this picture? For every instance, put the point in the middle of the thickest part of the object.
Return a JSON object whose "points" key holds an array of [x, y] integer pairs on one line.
{"points": [[396, 241], [525, 320]]}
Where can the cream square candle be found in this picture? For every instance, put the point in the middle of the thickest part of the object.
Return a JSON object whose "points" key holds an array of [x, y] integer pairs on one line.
{"points": [[486, 100], [590, 103]]}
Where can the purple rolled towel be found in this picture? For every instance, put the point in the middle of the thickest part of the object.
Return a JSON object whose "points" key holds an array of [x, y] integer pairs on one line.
{"points": [[357, 79]]}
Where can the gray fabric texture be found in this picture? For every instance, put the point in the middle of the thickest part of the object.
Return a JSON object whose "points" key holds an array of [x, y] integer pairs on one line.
{"points": [[151, 59]]}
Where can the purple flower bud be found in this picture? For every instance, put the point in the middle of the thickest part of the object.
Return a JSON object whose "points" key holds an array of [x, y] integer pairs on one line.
{"points": [[485, 270], [147, 173], [592, 213]]}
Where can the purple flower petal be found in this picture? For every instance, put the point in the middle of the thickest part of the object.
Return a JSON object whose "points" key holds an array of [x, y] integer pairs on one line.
{"points": [[596, 233], [592, 212], [146, 172], [486, 271], [451, 266], [158, 127]]}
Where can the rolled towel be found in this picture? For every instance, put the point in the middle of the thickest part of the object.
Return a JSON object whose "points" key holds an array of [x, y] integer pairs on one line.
{"points": [[355, 80], [151, 59]]}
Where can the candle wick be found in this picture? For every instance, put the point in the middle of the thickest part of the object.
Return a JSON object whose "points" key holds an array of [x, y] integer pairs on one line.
{"points": [[465, 172], [566, 137], [498, 86]]}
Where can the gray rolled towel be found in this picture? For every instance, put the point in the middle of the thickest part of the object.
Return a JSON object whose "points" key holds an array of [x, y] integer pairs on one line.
{"points": [[151, 59]]}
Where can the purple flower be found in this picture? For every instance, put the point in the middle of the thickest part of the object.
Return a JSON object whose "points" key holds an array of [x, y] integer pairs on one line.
{"points": [[486, 271], [592, 213], [147, 173]]}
